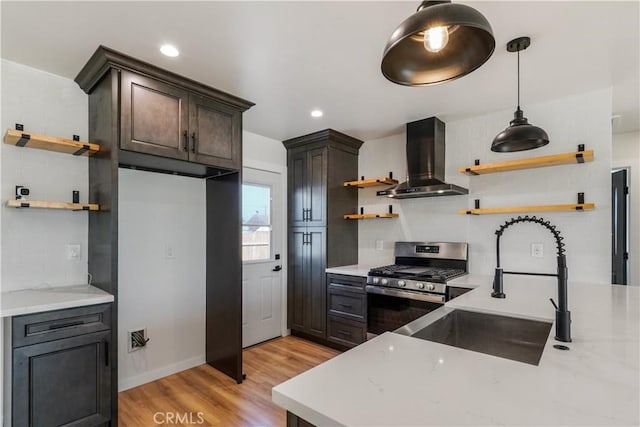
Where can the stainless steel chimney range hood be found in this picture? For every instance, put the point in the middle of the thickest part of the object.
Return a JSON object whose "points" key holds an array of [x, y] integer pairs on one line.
{"points": [[425, 163]]}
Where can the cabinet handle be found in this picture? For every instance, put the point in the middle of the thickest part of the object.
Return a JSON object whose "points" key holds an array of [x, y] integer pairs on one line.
{"points": [[346, 305], [65, 325], [193, 145], [309, 217], [186, 140], [304, 214], [309, 242], [106, 353], [304, 238], [343, 332]]}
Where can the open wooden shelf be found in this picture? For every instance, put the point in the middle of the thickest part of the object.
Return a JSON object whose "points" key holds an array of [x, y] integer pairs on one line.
{"points": [[530, 163], [372, 182], [52, 205], [371, 216], [51, 143], [525, 209]]}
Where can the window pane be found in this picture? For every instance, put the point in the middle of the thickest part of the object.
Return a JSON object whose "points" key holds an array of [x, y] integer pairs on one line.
{"points": [[256, 222]]}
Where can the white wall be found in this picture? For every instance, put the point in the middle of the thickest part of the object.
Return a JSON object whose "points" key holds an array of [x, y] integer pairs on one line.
{"points": [[581, 119], [626, 154], [165, 295], [34, 242]]}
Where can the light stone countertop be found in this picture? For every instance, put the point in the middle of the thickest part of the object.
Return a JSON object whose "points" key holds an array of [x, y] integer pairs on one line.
{"points": [[360, 270], [37, 300], [397, 380]]}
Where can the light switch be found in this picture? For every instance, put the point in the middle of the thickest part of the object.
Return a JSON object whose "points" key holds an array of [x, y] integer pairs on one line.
{"points": [[379, 245], [74, 251]]}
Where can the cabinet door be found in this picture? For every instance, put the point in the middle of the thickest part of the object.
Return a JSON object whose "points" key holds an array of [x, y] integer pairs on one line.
{"points": [[154, 117], [215, 132], [317, 187], [297, 188], [315, 304], [64, 382], [297, 283]]}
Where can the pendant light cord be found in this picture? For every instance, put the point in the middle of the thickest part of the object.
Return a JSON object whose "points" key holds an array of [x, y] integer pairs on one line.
{"points": [[518, 79]]}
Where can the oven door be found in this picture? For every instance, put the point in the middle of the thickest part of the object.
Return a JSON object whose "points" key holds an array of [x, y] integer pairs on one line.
{"points": [[389, 309]]}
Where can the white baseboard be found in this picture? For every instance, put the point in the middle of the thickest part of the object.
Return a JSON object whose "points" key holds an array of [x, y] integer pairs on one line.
{"points": [[147, 377]]}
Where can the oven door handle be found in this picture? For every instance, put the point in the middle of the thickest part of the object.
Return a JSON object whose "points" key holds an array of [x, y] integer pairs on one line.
{"points": [[418, 296]]}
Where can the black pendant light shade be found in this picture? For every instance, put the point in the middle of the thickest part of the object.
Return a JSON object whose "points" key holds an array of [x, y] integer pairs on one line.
{"points": [[520, 135], [468, 43]]}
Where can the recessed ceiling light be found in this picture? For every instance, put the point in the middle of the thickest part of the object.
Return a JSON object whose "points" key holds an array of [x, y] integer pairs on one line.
{"points": [[169, 50], [316, 113]]}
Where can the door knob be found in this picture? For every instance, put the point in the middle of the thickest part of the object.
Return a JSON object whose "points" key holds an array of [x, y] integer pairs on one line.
{"points": [[277, 268]]}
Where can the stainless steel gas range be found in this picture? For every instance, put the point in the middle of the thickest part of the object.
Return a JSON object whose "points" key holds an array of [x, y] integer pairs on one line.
{"points": [[415, 285]]}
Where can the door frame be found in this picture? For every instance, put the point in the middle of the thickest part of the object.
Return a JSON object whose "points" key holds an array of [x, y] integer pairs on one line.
{"points": [[282, 171], [615, 168]]}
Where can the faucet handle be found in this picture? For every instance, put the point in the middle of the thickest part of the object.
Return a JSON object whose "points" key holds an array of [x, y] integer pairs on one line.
{"points": [[554, 303]]}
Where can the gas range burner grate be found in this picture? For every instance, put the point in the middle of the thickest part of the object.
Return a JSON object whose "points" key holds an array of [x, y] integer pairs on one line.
{"points": [[396, 270]]}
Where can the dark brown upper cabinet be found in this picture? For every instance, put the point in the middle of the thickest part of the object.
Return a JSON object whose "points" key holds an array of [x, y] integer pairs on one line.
{"points": [[308, 187], [155, 117], [167, 121], [215, 133]]}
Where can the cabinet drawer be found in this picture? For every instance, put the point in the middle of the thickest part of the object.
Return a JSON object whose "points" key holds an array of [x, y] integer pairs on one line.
{"points": [[346, 332], [348, 304], [352, 282], [53, 325]]}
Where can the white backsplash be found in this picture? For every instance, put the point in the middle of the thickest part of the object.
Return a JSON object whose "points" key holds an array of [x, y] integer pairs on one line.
{"points": [[580, 119]]}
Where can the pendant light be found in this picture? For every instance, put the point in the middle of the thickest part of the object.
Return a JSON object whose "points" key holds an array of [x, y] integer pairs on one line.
{"points": [[520, 135], [440, 42]]}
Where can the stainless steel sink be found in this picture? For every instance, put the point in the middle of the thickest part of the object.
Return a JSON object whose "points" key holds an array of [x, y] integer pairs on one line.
{"points": [[521, 340]]}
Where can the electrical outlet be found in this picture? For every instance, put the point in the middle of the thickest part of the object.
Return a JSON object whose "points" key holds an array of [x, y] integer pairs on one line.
{"points": [[537, 250], [137, 339], [74, 251], [168, 251], [379, 245]]}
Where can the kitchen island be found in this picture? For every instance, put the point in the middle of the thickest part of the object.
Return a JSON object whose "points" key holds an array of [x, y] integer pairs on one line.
{"points": [[398, 380]]}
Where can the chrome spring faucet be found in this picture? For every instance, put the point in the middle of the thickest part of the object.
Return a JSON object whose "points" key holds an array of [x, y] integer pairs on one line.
{"points": [[563, 315]]}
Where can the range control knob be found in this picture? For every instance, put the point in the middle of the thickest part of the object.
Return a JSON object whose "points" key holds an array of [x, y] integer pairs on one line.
{"points": [[402, 283], [420, 285], [431, 286], [384, 281], [375, 280]]}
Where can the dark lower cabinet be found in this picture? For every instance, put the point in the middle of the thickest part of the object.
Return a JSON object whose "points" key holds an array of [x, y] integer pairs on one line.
{"points": [[62, 381], [346, 310], [295, 421]]}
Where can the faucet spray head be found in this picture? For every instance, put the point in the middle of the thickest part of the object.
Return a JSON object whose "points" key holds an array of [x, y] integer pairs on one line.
{"points": [[498, 288]]}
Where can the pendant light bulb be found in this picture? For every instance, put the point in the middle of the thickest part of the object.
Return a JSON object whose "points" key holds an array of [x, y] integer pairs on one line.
{"points": [[436, 38]]}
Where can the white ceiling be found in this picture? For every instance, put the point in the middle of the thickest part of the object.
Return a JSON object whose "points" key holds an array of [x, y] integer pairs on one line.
{"points": [[292, 57]]}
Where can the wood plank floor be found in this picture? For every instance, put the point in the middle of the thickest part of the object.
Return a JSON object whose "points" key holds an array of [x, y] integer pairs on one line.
{"points": [[210, 398]]}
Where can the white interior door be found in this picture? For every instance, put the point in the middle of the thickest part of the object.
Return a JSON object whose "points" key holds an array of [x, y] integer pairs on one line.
{"points": [[261, 256]]}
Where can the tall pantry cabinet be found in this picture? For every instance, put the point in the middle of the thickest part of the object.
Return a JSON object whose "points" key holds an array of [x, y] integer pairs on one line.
{"points": [[318, 236]]}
